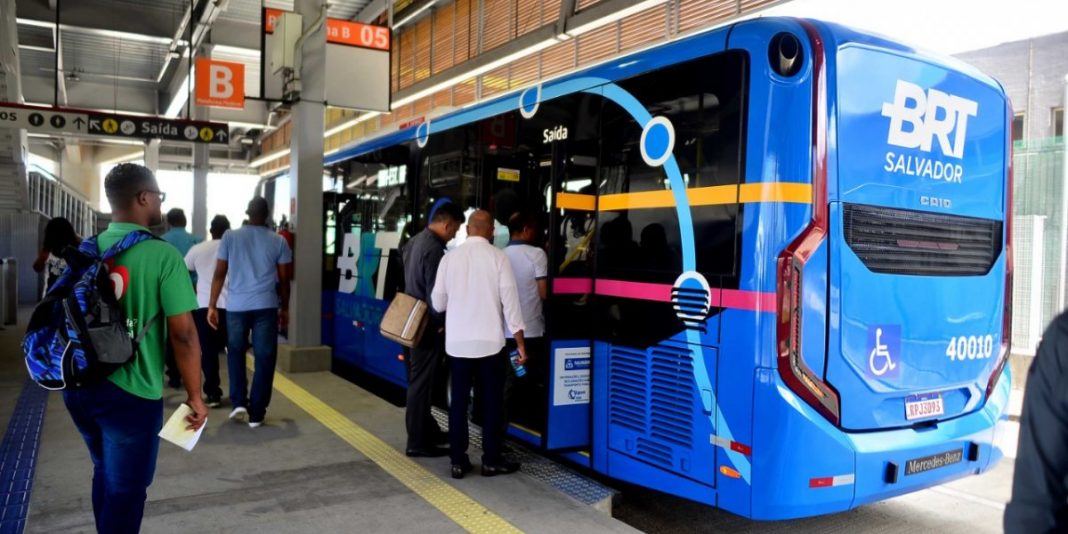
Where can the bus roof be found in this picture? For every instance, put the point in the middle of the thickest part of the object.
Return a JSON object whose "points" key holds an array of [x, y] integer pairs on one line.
{"points": [[644, 60]]}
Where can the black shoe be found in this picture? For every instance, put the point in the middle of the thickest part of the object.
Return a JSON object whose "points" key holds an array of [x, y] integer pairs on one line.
{"points": [[214, 402], [458, 470], [502, 468], [432, 452]]}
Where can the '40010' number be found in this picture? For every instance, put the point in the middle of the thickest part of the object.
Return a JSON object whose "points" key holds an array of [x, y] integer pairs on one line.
{"points": [[970, 347]]}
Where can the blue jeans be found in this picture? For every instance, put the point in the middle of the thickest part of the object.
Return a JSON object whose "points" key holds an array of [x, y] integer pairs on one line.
{"points": [[121, 432], [263, 325]]}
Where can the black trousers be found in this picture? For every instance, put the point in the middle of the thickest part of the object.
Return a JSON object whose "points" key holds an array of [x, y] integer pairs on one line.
{"points": [[489, 371], [212, 342], [424, 364]]}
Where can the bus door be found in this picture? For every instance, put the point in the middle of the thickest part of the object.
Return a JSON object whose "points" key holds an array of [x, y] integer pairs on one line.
{"points": [[548, 168], [572, 168]]}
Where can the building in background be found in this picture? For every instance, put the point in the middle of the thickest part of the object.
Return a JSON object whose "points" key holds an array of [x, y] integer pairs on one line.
{"points": [[1033, 73]]}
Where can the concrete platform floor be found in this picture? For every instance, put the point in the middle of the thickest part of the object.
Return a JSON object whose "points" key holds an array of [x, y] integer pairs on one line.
{"points": [[291, 475]]}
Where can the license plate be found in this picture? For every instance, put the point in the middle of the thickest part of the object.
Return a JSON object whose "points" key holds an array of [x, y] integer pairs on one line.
{"points": [[923, 406], [934, 461]]}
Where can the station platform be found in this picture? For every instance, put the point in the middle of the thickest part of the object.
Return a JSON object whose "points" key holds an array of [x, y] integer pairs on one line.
{"points": [[329, 459]]}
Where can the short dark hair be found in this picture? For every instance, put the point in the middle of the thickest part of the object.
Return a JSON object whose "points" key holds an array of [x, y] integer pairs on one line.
{"points": [[258, 208], [520, 221], [219, 225], [176, 218], [124, 182], [449, 211]]}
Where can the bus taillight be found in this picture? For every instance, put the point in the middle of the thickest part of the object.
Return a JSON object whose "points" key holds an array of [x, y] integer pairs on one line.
{"points": [[797, 375]]}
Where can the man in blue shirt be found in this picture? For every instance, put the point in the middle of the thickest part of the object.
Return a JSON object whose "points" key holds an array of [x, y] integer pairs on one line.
{"points": [[176, 235], [254, 258], [182, 241]]}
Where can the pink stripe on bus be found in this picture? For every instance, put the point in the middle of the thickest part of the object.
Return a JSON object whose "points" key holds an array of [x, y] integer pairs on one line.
{"points": [[634, 290], [721, 298], [745, 300], [569, 286]]}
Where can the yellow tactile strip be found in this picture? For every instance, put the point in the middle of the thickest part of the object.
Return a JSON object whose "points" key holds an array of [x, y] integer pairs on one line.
{"points": [[465, 511]]}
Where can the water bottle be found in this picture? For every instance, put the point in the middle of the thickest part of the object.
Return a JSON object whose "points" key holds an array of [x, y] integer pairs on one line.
{"points": [[520, 369]]}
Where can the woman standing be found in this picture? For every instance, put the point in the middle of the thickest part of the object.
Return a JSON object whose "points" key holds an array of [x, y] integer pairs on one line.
{"points": [[59, 234]]}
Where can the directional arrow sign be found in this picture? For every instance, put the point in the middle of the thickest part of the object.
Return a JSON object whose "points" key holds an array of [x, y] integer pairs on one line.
{"points": [[69, 121], [139, 127], [43, 120]]}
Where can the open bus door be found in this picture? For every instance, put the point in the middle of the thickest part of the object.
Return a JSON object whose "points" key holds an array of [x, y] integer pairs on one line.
{"points": [[572, 227]]}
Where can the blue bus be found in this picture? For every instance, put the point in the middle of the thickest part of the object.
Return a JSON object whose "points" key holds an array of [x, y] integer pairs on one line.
{"points": [[780, 261]]}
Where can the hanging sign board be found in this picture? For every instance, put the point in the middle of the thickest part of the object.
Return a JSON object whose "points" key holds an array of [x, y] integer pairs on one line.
{"points": [[357, 64], [220, 84]]}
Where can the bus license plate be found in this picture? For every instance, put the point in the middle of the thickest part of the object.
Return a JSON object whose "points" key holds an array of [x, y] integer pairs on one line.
{"points": [[923, 406]]}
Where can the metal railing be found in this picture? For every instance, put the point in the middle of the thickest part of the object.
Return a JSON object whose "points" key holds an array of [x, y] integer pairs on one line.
{"points": [[52, 198]]}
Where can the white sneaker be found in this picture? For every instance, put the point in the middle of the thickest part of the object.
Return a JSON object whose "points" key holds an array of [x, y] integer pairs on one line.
{"points": [[239, 414], [254, 424]]}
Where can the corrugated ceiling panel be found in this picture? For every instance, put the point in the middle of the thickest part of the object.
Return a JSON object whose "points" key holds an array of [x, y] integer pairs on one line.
{"points": [[407, 55], [583, 4], [598, 44], [35, 36], [466, 19], [238, 10], [550, 10], [421, 107], [442, 98], [558, 58], [388, 118], [422, 49], [244, 11], [695, 14], [107, 55], [495, 82], [525, 71], [530, 15], [464, 93], [394, 67], [443, 38], [497, 19], [750, 5], [643, 28]]}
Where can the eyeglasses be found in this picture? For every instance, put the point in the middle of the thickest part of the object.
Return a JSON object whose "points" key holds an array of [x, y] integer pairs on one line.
{"points": [[162, 195]]}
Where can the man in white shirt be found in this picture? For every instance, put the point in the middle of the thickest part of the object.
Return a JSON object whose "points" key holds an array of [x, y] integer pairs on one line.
{"points": [[474, 285], [200, 260], [530, 265]]}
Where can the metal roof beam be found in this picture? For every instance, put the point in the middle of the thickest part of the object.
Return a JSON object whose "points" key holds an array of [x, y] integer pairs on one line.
{"points": [[371, 11]]}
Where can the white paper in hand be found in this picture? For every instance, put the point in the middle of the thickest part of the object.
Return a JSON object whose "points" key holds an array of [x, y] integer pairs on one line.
{"points": [[175, 429]]}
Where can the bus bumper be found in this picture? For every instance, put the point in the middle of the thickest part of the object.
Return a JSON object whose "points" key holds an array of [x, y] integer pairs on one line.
{"points": [[804, 466]]}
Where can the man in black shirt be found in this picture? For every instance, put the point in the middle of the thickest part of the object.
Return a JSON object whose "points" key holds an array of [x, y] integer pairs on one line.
{"points": [[1040, 483], [421, 256]]}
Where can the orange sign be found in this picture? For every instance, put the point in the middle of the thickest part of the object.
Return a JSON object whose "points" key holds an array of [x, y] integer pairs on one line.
{"points": [[344, 32], [220, 84]]}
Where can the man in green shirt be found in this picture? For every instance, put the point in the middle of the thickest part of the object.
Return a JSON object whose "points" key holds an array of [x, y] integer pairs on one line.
{"points": [[120, 418]]}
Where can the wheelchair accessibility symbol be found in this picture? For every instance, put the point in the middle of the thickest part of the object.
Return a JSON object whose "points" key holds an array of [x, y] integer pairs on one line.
{"points": [[885, 351]]}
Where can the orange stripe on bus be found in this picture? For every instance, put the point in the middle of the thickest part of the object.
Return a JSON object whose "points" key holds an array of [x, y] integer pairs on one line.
{"points": [[575, 201], [701, 196]]}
